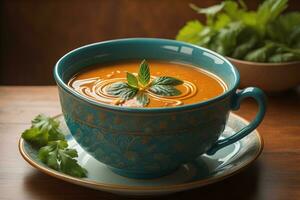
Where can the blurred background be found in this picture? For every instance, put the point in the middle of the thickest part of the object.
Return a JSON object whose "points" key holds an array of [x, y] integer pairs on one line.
{"points": [[35, 34]]}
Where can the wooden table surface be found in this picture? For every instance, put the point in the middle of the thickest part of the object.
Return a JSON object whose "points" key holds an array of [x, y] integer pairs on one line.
{"points": [[275, 175]]}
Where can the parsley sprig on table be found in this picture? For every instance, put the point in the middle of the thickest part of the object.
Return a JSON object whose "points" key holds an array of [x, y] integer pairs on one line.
{"points": [[45, 134], [138, 86]]}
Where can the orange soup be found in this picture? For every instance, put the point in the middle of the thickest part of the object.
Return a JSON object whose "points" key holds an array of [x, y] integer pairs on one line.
{"points": [[166, 84]]}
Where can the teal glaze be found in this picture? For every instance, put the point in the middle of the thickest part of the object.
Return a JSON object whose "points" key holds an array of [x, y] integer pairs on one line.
{"points": [[204, 170], [259, 96], [150, 142]]}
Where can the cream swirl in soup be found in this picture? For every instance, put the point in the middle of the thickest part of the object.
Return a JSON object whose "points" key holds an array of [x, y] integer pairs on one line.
{"points": [[197, 84]]}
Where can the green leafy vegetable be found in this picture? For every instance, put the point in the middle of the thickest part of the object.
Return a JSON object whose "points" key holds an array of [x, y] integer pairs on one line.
{"points": [[246, 41], [144, 73], [132, 80], [57, 156], [268, 12], [191, 32], [232, 30], [166, 80], [227, 38], [53, 151], [210, 12], [123, 90], [139, 88], [44, 122], [49, 153], [164, 90], [261, 54], [285, 29], [242, 4], [283, 57], [142, 98], [222, 21], [43, 130], [294, 40], [36, 136]]}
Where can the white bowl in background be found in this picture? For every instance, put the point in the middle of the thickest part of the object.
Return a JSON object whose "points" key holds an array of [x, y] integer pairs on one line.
{"points": [[271, 77]]}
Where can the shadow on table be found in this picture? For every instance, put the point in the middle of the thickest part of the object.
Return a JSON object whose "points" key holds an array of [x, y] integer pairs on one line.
{"points": [[244, 185]]}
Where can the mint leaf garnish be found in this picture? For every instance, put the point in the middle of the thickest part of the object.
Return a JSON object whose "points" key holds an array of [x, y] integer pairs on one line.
{"points": [[132, 80], [164, 90], [140, 87], [166, 80], [144, 73], [122, 90], [142, 98]]}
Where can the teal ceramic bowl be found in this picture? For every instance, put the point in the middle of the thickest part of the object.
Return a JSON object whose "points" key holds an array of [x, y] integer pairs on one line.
{"points": [[151, 142]]}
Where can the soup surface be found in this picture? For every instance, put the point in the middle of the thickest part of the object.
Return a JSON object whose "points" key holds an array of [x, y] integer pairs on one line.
{"points": [[197, 84]]}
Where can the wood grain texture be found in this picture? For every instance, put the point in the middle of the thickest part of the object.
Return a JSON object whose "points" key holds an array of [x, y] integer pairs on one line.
{"points": [[274, 176], [35, 34]]}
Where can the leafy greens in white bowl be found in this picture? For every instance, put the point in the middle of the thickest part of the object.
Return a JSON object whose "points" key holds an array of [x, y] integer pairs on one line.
{"points": [[232, 30], [257, 42]]}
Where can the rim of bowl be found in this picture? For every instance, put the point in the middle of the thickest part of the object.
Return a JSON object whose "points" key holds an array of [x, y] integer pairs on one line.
{"points": [[67, 88], [263, 63]]}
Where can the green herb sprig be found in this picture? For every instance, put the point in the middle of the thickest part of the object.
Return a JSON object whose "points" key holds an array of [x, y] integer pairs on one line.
{"points": [[262, 35], [138, 86], [45, 135]]}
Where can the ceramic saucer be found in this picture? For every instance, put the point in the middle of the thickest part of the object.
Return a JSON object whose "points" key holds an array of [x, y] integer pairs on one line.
{"points": [[203, 171]]}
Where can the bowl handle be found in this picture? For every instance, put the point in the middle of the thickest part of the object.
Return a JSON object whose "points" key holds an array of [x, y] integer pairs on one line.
{"points": [[260, 98]]}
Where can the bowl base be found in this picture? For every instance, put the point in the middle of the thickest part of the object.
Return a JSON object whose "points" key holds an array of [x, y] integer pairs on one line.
{"points": [[141, 175]]}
